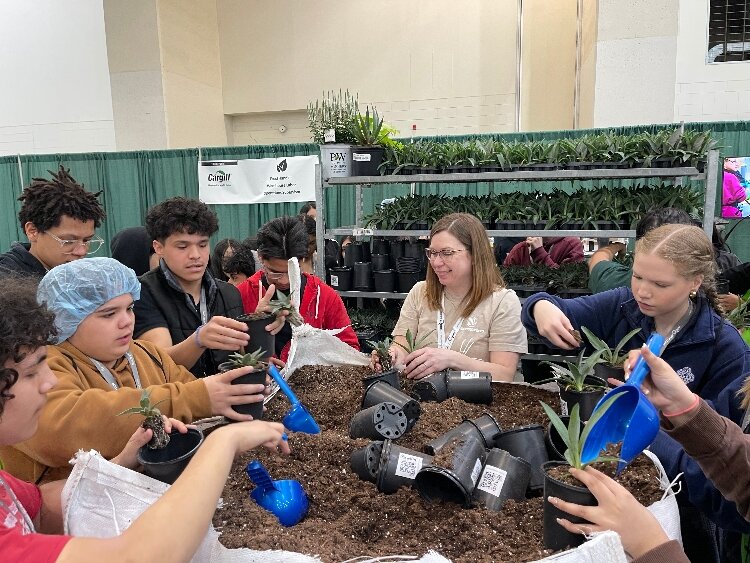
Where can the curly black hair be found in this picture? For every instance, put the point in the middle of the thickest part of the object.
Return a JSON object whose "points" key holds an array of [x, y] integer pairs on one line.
{"points": [[307, 207], [25, 325], [45, 201], [180, 215], [241, 262], [283, 237]]}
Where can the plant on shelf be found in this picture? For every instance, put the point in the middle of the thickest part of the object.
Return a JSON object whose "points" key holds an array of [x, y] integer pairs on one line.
{"points": [[335, 111], [575, 439], [367, 129], [153, 420]]}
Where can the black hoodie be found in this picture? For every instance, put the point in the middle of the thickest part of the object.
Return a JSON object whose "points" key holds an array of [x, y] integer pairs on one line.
{"points": [[19, 261]]}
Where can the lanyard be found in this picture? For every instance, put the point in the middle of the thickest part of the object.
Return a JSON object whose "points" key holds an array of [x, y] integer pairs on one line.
{"points": [[442, 341], [202, 306], [109, 378], [28, 525], [679, 326]]}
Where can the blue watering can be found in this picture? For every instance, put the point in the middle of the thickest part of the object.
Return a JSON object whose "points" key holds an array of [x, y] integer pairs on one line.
{"points": [[286, 499], [631, 419], [298, 419]]}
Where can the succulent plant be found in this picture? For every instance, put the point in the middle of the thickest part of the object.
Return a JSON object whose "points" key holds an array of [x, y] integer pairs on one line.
{"points": [[153, 420], [283, 302], [250, 359]]}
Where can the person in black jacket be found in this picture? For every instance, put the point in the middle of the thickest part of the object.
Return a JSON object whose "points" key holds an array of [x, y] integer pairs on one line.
{"points": [[59, 218], [183, 308]]}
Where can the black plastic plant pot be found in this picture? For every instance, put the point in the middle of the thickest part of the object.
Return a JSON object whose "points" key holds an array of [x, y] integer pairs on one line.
{"points": [[407, 265], [504, 477], [463, 431], [555, 445], [455, 481], [257, 376], [470, 386], [380, 262], [431, 388], [166, 464], [366, 160], [384, 420], [489, 427], [392, 377], [382, 392], [398, 467], [586, 400], [407, 281], [363, 276], [385, 280], [606, 372], [380, 246], [365, 461], [527, 442], [397, 250], [353, 254], [259, 336], [341, 278], [555, 536]]}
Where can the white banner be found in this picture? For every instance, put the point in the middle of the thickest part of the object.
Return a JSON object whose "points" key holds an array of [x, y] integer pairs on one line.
{"points": [[257, 180]]}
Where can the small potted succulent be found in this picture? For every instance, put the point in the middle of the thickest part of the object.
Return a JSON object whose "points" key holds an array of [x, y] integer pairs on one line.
{"points": [[578, 384], [611, 360], [257, 376], [166, 455]]}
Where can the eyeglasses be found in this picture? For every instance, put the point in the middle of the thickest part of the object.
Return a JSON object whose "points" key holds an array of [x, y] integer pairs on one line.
{"points": [[274, 276], [70, 246], [445, 254]]}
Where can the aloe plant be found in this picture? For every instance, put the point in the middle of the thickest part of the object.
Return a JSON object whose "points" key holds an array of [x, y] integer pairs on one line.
{"points": [[412, 342], [574, 438], [573, 376], [153, 420], [610, 356], [366, 129], [283, 302], [383, 350]]}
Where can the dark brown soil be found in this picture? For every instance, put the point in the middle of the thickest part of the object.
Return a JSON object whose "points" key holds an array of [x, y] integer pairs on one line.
{"points": [[348, 517]]}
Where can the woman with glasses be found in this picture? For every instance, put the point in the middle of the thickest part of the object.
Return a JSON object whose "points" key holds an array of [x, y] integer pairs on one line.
{"points": [[464, 314], [279, 240]]}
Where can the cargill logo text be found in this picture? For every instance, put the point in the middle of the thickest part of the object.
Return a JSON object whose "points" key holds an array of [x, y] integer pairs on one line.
{"points": [[220, 176]]}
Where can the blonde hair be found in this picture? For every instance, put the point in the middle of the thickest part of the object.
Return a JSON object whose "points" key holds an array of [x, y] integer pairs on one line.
{"points": [[690, 251], [486, 276]]}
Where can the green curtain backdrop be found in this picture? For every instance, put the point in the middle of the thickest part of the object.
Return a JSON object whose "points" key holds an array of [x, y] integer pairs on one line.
{"points": [[132, 182]]}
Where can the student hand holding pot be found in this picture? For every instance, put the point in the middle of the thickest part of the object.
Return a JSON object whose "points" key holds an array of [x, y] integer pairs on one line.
{"points": [[263, 307], [142, 436], [617, 510], [222, 333], [223, 394]]}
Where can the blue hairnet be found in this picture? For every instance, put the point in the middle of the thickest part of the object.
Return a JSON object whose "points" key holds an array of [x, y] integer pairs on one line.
{"points": [[74, 290]]}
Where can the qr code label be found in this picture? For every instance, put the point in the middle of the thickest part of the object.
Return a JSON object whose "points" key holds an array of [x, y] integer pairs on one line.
{"points": [[469, 375], [476, 471], [492, 480], [334, 281], [408, 465], [563, 407]]}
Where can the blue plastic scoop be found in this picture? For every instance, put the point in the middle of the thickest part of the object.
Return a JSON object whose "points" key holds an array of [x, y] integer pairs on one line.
{"points": [[286, 499], [298, 419], [631, 419]]}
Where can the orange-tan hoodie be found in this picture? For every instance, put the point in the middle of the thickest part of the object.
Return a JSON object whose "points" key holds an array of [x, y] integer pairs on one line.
{"points": [[81, 410]]}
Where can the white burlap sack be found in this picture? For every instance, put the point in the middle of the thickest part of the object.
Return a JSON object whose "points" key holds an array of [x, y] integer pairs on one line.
{"points": [[101, 499]]}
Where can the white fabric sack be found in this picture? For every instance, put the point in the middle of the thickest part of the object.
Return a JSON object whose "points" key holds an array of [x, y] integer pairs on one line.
{"points": [[101, 499]]}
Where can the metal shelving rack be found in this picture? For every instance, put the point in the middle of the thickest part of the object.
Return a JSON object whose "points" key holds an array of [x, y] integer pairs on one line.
{"points": [[709, 178]]}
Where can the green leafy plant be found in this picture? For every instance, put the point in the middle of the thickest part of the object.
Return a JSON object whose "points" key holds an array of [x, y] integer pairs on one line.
{"points": [[367, 129], [382, 349], [610, 356], [334, 111], [252, 359], [573, 377], [412, 342], [284, 303], [153, 420], [574, 439]]}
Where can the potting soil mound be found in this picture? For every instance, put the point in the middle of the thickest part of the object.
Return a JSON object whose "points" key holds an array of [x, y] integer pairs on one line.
{"points": [[348, 517]]}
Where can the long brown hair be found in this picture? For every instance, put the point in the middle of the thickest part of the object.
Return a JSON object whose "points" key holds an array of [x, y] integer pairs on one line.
{"points": [[486, 276], [690, 251]]}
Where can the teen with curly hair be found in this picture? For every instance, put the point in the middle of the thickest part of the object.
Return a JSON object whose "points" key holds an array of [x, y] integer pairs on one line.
{"points": [[59, 218]]}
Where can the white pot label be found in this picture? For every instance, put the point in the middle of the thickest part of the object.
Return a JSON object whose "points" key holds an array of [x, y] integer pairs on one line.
{"points": [[361, 157], [334, 281], [329, 136], [563, 407], [469, 375], [492, 480], [476, 471], [408, 465]]}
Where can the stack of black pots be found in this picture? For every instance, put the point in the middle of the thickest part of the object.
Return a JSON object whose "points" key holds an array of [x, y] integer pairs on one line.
{"points": [[410, 263], [384, 276]]}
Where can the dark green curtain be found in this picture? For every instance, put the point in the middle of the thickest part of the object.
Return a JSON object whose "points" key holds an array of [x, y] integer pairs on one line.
{"points": [[132, 182]]}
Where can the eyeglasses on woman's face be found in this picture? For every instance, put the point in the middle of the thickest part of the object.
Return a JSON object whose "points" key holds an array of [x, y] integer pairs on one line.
{"points": [[70, 246], [446, 254]]}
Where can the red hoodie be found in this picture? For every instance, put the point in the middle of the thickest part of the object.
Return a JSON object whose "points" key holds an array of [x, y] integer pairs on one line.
{"points": [[553, 252], [321, 307]]}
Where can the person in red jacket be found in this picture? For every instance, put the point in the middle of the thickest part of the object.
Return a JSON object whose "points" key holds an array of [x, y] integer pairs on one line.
{"points": [[279, 240], [550, 251]]}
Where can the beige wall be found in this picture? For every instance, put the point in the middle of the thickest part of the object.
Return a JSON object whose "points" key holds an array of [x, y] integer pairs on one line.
{"points": [[191, 73], [548, 53], [587, 78], [447, 67]]}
